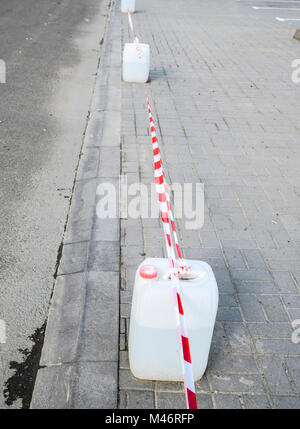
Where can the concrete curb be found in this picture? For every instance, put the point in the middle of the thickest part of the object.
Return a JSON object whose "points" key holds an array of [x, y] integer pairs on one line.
{"points": [[79, 362]]}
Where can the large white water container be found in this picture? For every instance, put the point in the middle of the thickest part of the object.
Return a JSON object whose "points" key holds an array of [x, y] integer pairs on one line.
{"points": [[136, 62], [127, 5], [154, 351]]}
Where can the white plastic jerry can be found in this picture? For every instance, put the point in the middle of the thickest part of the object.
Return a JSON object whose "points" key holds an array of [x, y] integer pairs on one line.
{"points": [[127, 5], [136, 62], [154, 351]]}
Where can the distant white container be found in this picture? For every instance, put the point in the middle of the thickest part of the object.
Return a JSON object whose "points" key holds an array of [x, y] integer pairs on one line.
{"points": [[136, 62], [127, 5], [154, 352]]}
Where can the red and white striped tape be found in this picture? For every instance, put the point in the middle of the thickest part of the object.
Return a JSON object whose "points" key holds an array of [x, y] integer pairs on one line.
{"points": [[167, 219], [136, 39], [169, 228], [130, 22], [161, 179]]}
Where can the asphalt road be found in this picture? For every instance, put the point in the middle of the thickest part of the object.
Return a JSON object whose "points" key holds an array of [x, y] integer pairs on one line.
{"points": [[51, 50]]}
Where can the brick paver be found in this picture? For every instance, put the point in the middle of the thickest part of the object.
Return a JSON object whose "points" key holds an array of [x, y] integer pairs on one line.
{"points": [[227, 115]]}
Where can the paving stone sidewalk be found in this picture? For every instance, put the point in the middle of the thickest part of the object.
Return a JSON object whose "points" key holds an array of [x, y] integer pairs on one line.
{"points": [[227, 113]]}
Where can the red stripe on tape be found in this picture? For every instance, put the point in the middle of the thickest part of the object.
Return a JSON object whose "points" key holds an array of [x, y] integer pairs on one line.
{"points": [[152, 129], [178, 251], [165, 217], [186, 349], [157, 165], [159, 180], [179, 304], [154, 139], [161, 197], [169, 239], [173, 226], [192, 400], [155, 151]]}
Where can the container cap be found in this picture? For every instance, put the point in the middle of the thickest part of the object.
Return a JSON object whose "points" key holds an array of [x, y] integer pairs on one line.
{"points": [[148, 272]]}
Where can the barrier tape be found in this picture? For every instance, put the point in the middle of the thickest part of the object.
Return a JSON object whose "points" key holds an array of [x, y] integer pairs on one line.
{"points": [[166, 213], [136, 39], [168, 225], [130, 22], [162, 180], [182, 265]]}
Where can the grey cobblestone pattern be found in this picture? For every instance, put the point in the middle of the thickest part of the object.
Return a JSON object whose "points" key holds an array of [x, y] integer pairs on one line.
{"points": [[79, 363], [227, 114]]}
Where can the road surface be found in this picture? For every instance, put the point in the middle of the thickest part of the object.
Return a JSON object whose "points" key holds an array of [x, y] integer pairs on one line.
{"points": [[51, 50]]}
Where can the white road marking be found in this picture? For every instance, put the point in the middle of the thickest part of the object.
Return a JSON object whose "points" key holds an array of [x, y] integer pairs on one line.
{"points": [[275, 2], [275, 8], [287, 19]]}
